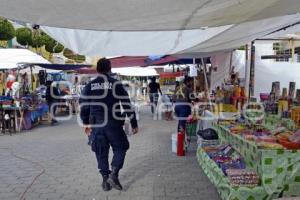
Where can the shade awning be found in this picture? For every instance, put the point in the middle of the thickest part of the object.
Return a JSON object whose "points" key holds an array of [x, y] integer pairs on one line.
{"points": [[187, 43], [14, 58], [142, 15]]}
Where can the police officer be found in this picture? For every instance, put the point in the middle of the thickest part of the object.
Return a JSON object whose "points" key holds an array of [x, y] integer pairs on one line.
{"points": [[101, 101]]}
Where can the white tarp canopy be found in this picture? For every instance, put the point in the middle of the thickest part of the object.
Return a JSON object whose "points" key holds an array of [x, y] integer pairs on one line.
{"points": [[154, 27], [187, 43], [266, 71], [14, 58], [142, 15], [135, 71]]}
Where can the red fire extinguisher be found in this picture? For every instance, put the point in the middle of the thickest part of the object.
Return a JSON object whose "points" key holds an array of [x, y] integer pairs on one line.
{"points": [[180, 143]]}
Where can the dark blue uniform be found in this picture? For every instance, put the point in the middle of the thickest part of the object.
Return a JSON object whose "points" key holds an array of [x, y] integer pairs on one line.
{"points": [[100, 103]]}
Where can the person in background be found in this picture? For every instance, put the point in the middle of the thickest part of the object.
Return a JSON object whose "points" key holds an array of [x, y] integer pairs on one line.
{"points": [[52, 95], [153, 90], [177, 86], [184, 97]]}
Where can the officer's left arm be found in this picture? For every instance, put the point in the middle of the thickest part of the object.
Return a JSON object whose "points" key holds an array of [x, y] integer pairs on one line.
{"points": [[127, 106]]}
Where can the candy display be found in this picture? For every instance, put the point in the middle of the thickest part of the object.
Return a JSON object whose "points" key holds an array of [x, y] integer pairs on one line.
{"points": [[226, 157], [269, 153], [280, 137], [242, 177]]}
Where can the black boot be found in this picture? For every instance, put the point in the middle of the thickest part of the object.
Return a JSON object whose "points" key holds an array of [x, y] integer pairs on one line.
{"points": [[113, 179], [105, 185]]}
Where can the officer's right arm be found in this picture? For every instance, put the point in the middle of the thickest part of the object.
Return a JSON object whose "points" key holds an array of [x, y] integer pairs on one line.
{"points": [[84, 105]]}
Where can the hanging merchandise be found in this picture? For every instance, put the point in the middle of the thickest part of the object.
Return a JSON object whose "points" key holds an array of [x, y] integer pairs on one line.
{"points": [[42, 77], [2, 83], [292, 90], [193, 72], [9, 82]]}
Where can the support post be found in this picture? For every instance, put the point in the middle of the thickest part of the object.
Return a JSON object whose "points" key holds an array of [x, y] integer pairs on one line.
{"points": [[247, 69], [252, 70]]}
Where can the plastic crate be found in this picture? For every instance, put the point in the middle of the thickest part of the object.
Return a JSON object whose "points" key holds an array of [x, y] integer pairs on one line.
{"points": [[295, 115]]}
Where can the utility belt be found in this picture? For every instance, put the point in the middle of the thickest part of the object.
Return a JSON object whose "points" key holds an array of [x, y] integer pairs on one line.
{"points": [[96, 120]]}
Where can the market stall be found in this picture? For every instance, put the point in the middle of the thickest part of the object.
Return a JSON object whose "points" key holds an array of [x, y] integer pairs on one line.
{"points": [[21, 105], [253, 160]]}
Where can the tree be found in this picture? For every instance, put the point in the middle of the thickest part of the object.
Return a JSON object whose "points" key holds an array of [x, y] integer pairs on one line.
{"points": [[37, 39], [51, 45], [79, 58], [7, 30], [68, 53], [24, 36]]}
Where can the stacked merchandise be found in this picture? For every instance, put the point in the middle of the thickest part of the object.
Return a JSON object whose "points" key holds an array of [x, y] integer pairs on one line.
{"points": [[278, 138], [242, 178], [289, 139], [6, 102], [225, 157]]}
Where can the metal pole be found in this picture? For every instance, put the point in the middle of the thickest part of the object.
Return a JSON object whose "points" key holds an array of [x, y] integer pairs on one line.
{"points": [[31, 78], [194, 63], [230, 62], [252, 70], [247, 69], [206, 81]]}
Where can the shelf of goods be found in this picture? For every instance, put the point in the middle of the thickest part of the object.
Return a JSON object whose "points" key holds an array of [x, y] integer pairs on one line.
{"points": [[279, 169], [222, 183]]}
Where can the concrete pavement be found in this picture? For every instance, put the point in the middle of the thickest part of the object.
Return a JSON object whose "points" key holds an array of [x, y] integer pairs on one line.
{"points": [[67, 167]]}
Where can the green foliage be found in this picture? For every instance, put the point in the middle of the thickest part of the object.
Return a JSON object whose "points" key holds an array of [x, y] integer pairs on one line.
{"points": [[70, 62], [37, 39], [7, 30], [24, 36], [242, 48], [79, 58], [68, 53], [51, 45]]}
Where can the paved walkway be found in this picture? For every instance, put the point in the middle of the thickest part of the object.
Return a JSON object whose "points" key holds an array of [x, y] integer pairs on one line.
{"points": [[68, 168]]}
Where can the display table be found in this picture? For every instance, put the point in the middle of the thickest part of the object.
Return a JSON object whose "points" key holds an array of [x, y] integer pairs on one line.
{"points": [[13, 112], [23, 117], [226, 191], [279, 169], [33, 116]]}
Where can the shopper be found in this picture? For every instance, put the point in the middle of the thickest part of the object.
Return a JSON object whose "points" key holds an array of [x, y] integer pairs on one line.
{"points": [[183, 99], [52, 97], [103, 122], [153, 90]]}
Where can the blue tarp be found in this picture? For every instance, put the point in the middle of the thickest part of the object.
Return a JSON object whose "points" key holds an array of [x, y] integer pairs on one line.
{"points": [[63, 66]]}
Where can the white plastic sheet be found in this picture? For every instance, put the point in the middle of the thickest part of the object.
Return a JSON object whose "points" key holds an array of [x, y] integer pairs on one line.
{"points": [[135, 71], [106, 43], [141, 15], [13, 58], [187, 43], [266, 71]]}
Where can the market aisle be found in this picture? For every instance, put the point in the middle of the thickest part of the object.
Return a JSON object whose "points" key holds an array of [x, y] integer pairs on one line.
{"points": [[151, 170]]}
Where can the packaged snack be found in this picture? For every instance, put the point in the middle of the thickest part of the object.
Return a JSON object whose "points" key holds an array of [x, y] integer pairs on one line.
{"points": [[268, 145]]}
